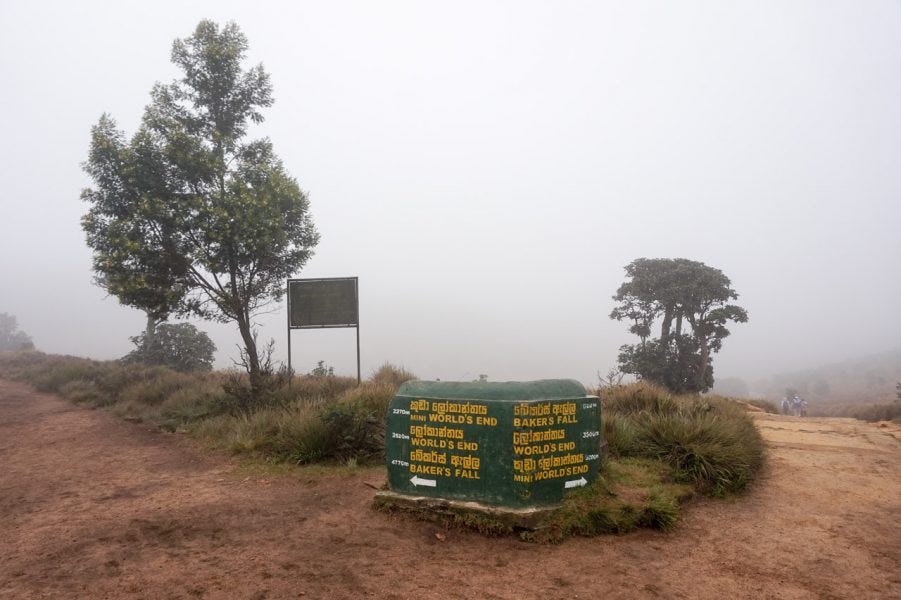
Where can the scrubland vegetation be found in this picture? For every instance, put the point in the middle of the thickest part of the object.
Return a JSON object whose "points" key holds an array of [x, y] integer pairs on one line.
{"points": [[888, 411], [661, 448], [298, 420], [707, 441]]}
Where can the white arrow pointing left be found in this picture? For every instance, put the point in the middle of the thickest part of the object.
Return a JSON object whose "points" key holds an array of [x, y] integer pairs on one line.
{"points": [[417, 481], [575, 483]]}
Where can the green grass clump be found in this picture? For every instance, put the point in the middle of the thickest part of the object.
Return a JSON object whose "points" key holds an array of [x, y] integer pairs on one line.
{"points": [[637, 398], [709, 441], [628, 494], [286, 434], [717, 454], [350, 427], [171, 407], [621, 434]]}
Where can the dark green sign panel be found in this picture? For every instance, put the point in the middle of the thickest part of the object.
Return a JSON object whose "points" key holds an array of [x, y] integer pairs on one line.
{"points": [[513, 444], [315, 303]]}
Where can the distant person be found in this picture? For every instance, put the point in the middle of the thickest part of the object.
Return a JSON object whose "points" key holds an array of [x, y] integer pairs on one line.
{"points": [[796, 406], [803, 408], [786, 406]]}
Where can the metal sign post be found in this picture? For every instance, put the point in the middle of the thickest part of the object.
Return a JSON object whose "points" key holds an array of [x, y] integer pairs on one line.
{"points": [[324, 303]]}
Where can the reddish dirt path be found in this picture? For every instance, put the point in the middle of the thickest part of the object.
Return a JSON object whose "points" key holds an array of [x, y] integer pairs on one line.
{"points": [[94, 507]]}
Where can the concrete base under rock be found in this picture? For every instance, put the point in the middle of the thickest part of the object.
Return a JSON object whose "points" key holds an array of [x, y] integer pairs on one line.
{"points": [[438, 508]]}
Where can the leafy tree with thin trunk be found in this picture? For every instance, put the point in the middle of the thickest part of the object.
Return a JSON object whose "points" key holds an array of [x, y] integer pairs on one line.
{"points": [[690, 300], [206, 221], [136, 256]]}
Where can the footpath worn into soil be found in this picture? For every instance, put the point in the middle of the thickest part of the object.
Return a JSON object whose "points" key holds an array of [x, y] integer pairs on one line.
{"points": [[95, 507]]}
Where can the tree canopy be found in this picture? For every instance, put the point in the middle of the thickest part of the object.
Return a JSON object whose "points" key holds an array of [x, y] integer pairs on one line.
{"points": [[137, 257], [690, 301], [12, 339], [180, 346], [189, 216]]}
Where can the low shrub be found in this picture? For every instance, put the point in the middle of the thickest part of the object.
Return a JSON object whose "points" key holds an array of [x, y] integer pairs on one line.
{"points": [[82, 391], [709, 441], [60, 373], [315, 389], [764, 405], [156, 386], [716, 453], [357, 421], [349, 428], [241, 397], [879, 412], [281, 389], [639, 397], [293, 434], [620, 433], [392, 375], [197, 400]]}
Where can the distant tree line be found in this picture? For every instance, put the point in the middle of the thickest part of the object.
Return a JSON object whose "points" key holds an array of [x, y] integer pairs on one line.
{"points": [[12, 339]]}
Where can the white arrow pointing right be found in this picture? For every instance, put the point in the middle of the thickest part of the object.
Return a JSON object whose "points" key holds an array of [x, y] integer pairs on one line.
{"points": [[575, 483]]}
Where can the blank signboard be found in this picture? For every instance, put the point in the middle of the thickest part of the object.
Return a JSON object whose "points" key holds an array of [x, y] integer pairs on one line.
{"points": [[323, 303]]}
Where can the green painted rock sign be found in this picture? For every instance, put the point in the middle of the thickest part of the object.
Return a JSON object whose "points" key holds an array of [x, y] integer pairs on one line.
{"points": [[515, 444]]}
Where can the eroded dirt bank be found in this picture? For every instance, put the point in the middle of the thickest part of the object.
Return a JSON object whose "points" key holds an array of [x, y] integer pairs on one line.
{"points": [[94, 507]]}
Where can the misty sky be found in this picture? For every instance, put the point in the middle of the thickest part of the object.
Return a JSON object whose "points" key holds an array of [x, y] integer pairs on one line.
{"points": [[487, 169]]}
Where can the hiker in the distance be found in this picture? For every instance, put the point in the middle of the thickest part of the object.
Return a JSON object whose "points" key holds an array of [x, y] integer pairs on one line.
{"points": [[803, 408], [796, 406], [786, 406]]}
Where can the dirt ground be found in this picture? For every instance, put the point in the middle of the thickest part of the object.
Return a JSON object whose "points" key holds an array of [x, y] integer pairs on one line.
{"points": [[95, 507]]}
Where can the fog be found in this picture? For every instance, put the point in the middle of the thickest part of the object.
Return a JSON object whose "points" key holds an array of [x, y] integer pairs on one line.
{"points": [[488, 169]]}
